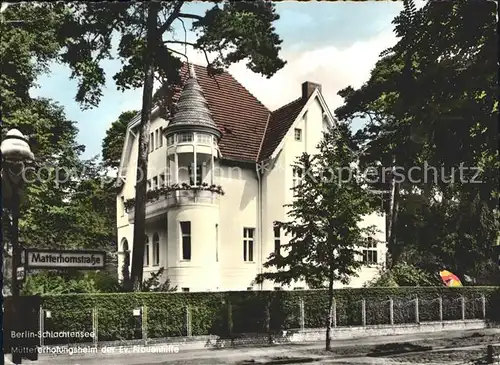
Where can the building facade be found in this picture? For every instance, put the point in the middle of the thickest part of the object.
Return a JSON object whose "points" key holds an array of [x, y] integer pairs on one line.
{"points": [[219, 174]]}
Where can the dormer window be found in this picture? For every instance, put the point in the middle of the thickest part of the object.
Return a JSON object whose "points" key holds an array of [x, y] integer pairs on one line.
{"points": [[298, 134]]}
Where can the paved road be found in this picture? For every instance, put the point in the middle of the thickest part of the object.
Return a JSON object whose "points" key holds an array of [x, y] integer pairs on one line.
{"points": [[230, 355]]}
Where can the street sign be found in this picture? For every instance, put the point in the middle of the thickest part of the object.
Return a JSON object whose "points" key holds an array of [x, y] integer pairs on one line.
{"points": [[64, 259]]}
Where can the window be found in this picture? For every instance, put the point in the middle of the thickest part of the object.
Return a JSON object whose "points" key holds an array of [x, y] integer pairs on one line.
{"points": [[161, 180], [122, 208], [154, 184], [171, 140], [248, 241], [204, 138], [216, 243], [146, 252], [297, 176], [185, 137], [151, 142], [126, 258], [160, 137], [370, 256], [149, 184], [185, 290], [277, 243], [157, 142], [298, 134], [156, 250], [192, 177], [186, 240]]}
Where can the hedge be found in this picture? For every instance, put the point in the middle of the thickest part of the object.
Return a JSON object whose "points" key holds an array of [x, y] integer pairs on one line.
{"points": [[230, 313]]}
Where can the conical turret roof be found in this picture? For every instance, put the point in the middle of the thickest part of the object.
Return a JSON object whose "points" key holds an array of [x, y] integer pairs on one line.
{"points": [[192, 108]]}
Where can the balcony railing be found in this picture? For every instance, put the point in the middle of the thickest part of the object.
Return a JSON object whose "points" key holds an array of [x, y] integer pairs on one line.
{"points": [[177, 198]]}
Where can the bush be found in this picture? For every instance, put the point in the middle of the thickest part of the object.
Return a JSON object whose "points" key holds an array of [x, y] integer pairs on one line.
{"points": [[56, 283], [403, 274], [228, 313]]}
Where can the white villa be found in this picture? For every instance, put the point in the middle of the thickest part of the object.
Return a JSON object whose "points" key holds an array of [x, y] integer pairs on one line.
{"points": [[211, 227]]}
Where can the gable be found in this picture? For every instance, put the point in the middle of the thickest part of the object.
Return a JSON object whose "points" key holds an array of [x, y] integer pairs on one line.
{"points": [[284, 118], [280, 122]]}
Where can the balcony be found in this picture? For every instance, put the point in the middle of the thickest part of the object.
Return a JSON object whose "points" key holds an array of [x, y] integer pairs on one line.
{"points": [[160, 200]]}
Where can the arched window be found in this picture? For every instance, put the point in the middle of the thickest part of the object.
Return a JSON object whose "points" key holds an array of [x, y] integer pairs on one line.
{"points": [[156, 249], [146, 252], [126, 259], [124, 245]]}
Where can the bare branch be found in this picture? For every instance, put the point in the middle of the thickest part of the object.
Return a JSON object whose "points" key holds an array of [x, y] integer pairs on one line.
{"points": [[180, 42], [190, 16], [171, 18], [185, 34], [179, 53]]}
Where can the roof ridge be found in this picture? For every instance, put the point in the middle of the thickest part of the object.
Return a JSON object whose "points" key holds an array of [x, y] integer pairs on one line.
{"points": [[288, 104]]}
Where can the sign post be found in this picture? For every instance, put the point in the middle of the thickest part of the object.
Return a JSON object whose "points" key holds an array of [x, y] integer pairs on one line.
{"points": [[64, 259]]}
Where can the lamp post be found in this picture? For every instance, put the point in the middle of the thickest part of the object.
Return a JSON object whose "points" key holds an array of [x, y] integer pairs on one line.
{"points": [[15, 151]]}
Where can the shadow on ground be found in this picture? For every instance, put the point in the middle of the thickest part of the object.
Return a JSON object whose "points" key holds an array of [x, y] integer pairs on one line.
{"points": [[397, 348], [279, 361]]}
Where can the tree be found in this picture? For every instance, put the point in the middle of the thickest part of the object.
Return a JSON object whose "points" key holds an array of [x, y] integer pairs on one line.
{"points": [[112, 145], [232, 30], [66, 203], [324, 221], [443, 116], [28, 43]]}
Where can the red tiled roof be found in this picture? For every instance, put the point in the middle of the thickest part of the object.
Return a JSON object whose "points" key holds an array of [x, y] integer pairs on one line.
{"points": [[279, 123], [251, 132]]}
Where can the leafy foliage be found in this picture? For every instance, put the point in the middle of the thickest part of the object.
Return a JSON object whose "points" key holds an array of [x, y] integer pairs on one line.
{"points": [[403, 274], [58, 283], [112, 145], [211, 313], [66, 202], [431, 102], [155, 283], [324, 229], [325, 220]]}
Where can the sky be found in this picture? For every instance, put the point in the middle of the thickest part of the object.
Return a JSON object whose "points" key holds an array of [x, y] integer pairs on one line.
{"points": [[335, 44]]}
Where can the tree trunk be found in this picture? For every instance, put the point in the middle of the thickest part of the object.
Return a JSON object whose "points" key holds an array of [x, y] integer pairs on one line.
{"points": [[136, 278], [393, 217], [328, 343]]}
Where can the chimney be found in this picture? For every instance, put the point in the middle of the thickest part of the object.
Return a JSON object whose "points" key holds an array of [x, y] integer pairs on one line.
{"points": [[308, 88]]}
